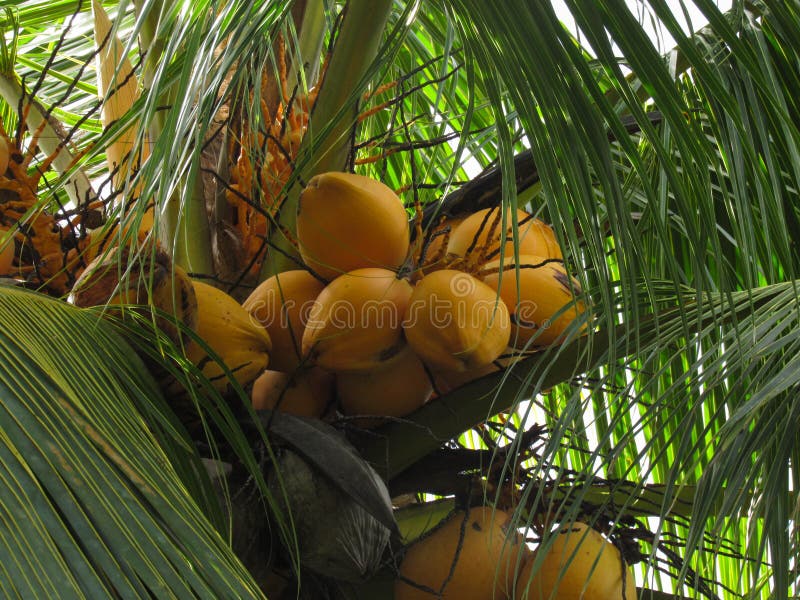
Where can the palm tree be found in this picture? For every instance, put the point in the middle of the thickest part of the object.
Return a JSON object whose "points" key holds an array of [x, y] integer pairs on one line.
{"points": [[670, 176]]}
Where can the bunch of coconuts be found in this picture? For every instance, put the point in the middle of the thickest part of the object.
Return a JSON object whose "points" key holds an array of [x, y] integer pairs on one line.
{"points": [[374, 320], [478, 554]]}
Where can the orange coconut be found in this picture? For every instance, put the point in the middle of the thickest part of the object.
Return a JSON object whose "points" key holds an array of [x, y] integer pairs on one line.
{"points": [[303, 393], [394, 391], [447, 381], [484, 548], [541, 311], [356, 321], [282, 304], [481, 234], [579, 565], [347, 222], [456, 322]]}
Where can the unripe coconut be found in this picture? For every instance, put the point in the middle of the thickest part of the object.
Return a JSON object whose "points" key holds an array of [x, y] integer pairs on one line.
{"points": [[456, 322], [545, 288], [579, 565], [481, 234], [394, 391], [336, 537], [282, 305], [303, 393], [483, 546], [356, 321], [347, 222]]}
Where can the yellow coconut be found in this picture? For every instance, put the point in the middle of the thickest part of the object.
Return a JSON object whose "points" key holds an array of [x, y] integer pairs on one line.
{"points": [[347, 222], [303, 393], [541, 311], [394, 391], [229, 330], [485, 559], [482, 232], [579, 565], [282, 305], [455, 322], [356, 321]]}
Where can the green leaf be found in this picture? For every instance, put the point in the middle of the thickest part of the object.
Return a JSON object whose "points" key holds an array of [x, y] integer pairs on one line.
{"points": [[84, 479]]}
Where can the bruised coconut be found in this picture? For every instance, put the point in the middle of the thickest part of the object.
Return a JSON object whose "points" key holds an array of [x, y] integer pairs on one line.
{"points": [[482, 545], [544, 307], [455, 322], [396, 390], [356, 321], [347, 222], [303, 393], [282, 305], [154, 281], [480, 236], [579, 565]]}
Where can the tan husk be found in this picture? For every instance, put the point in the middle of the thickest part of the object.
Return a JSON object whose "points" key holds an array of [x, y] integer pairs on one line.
{"points": [[153, 281]]}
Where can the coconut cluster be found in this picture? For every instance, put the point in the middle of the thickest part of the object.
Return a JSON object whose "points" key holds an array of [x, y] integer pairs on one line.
{"points": [[376, 323], [480, 555]]}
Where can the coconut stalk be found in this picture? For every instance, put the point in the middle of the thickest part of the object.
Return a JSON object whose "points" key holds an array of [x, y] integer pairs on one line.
{"points": [[326, 143]]}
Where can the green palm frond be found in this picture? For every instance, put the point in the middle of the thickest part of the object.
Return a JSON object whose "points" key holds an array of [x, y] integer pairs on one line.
{"points": [[86, 481]]}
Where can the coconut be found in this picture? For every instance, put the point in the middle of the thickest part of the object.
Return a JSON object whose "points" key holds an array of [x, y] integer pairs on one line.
{"points": [[579, 565], [541, 311], [481, 234], [356, 321], [481, 544], [455, 322], [303, 393], [394, 391], [335, 536], [282, 304], [347, 222]]}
